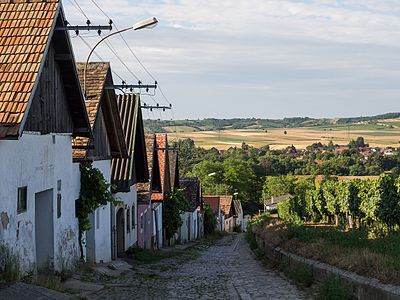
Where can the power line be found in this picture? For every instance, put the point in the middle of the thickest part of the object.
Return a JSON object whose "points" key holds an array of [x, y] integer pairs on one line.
{"points": [[131, 51], [76, 5], [99, 57], [120, 60]]}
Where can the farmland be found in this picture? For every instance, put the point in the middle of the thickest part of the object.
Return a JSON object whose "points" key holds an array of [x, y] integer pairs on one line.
{"points": [[378, 134]]}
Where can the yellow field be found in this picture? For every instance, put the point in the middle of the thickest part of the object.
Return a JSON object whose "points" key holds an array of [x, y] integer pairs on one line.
{"points": [[382, 134]]}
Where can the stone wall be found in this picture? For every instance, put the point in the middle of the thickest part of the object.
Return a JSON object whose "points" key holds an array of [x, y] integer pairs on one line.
{"points": [[362, 287]]}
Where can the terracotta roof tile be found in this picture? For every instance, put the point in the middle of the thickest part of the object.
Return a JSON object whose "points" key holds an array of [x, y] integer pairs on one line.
{"points": [[24, 33], [226, 204], [191, 187], [96, 74], [163, 165], [214, 203]]}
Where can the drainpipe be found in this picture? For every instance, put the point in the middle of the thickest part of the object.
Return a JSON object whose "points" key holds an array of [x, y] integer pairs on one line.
{"points": [[156, 222], [113, 233]]}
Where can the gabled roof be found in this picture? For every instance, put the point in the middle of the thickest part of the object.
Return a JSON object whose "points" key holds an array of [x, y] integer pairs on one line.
{"points": [[173, 168], [191, 189], [27, 29], [238, 207], [98, 75], [135, 169], [163, 165], [145, 190], [279, 199], [226, 205], [214, 203]]}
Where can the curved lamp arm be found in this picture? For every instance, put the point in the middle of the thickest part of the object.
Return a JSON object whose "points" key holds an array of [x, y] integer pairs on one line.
{"points": [[148, 23]]}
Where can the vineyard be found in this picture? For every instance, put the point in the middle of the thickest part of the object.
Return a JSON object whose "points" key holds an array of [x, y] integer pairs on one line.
{"points": [[372, 204]]}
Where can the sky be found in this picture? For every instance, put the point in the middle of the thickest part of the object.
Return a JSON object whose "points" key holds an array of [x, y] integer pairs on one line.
{"points": [[254, 58]]}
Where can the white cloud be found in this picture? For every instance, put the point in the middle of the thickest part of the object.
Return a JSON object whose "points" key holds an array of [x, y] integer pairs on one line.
{"points": [[310, 51]]}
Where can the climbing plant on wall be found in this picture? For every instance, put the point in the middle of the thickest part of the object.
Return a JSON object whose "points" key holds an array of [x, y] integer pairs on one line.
{"points": [[173, 206], [95, 192]]}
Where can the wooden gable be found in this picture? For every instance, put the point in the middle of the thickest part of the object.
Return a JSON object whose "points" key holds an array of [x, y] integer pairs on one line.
{"points": [[134, 169], [102, 109]]}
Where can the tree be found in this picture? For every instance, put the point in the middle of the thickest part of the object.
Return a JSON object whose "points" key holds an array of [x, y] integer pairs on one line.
{"points": [[369, 197], [174, 205], [209, 220], [329, 189], [388, 211]]}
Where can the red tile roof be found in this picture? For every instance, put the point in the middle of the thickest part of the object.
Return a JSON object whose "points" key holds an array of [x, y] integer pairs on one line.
{"points": [[163, 164], [98, 74], [25, 27], [213, 201], [226, 204]]}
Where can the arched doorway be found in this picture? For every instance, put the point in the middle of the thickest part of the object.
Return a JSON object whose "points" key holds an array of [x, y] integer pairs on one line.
{"points": [[120, 233]]}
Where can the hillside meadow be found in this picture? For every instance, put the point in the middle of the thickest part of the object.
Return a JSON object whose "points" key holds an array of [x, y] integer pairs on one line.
{"points": [[381, 134]]}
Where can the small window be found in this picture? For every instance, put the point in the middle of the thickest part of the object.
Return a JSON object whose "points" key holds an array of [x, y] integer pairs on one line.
{"points": [[141, 221], [128, 220], [22, 199], [58, 205], [133, 216]]}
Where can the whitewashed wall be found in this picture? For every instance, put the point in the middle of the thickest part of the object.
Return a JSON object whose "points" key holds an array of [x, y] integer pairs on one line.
{"points": [[157, 223], [38, 162], [98, 238], [129, 199], [183, 232]]}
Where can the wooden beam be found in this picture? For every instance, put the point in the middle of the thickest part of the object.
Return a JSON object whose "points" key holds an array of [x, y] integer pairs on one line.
{"points": [[63, 57]]}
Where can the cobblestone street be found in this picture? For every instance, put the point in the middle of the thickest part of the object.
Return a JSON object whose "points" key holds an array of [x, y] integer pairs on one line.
{"points": [[224, 270]]}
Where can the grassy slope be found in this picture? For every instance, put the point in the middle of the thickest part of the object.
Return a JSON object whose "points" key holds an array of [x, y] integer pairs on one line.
{"points": [[353, 251]]}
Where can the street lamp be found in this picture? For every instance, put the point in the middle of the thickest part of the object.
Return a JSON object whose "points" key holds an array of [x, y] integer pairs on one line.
{"points": [[147, 23], [211, 175]]}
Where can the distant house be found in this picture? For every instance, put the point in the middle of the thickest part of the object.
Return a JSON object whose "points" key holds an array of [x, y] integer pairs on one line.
{"points": [[215, 204], [41, 109], [272, 203], [388, 152], [192, 220], [127, 175], [108, 142], [227, 208], [238, 217], [145, 206], [157, 195]]}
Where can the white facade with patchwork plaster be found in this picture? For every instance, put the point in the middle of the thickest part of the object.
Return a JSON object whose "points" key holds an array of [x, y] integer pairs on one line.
{"points": [[98, 238], [42, 164]]}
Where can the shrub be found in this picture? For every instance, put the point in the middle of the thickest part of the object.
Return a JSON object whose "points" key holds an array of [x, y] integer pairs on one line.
{"points": [[209, 219], [334, 289], [9, 265]]}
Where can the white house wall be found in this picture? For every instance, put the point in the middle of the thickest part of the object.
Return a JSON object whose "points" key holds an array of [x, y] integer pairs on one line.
{"points": [[157, 223], [98, 238], [38, 162], [183, 232], [129, 199]]}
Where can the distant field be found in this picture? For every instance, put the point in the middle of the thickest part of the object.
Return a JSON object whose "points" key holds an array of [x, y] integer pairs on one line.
{"points": [[384, 133]]}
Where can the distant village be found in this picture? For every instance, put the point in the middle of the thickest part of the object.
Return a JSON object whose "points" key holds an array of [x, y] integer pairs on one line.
{"points": [[57, 115]]}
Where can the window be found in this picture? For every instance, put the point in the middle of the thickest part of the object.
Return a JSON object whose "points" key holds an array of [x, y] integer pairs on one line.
{"points": [[133, 216], [128, 220], [58, 205], [22, 199], [141, 221]]}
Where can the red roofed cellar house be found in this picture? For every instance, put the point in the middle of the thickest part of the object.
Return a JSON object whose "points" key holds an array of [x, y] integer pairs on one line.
{"points": [[127, 175], [41, 109], [108, 143]]}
